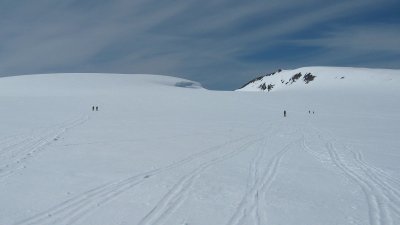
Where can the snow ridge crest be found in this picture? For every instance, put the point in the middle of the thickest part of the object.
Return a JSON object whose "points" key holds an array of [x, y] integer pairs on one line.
{"points": [[322, 77]]}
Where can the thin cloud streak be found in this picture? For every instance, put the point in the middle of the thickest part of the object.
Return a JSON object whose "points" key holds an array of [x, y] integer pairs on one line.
{"points": [[199, 40]]}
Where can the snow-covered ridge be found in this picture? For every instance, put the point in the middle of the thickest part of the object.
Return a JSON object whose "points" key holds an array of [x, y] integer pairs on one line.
{"points": [[324, 77], [87, 83]]}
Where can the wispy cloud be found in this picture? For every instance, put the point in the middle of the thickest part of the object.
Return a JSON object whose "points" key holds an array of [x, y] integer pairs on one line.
{"points": [[377, 37], [220, 43]]}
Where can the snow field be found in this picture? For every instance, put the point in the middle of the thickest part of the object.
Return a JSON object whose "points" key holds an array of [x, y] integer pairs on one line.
{"points": [[163, 151]]}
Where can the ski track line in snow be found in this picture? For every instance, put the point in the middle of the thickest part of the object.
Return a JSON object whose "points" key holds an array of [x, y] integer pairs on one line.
{"points": [[377, 213], [179, 192], [12, 139], [74, 209], [8, 142], [380, 180], [251, 194], [377, 171], [13, 155], [382, 198], [18, 144], [253, 177], [261, 179], [138, 139], [320, 157], [382, 173]]}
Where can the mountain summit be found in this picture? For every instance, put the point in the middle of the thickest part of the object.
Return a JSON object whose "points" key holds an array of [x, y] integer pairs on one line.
{"points": [[323, 77]]}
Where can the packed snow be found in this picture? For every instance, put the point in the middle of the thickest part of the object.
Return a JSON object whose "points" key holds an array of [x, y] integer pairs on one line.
{"points": [[164, 150]]}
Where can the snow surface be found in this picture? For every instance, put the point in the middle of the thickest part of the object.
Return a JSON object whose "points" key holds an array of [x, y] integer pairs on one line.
{"points": [[163, 150], [328, 77]]}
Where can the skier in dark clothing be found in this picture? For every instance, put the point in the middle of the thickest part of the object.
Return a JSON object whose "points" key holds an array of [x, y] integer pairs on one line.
{"points": [[284, 113], [97, 108], [92, 108]]}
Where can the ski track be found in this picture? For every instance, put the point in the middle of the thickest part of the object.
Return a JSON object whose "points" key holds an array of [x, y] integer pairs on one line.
{"points": [[76, 208], [261, 179], [380, 188], [179, 192], [15, 150], [382, 197], [381, 181]]}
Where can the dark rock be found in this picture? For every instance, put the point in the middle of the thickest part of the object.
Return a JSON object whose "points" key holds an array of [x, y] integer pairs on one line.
{"points": [[260, 77], [308, 78], [295, 77], [263, 86]]}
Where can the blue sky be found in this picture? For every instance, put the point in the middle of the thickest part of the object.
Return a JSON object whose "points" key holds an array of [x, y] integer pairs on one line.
{"points": [[220, 43]]}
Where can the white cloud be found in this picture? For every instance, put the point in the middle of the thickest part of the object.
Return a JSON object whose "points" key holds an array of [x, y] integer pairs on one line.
{"points": [[196, 39], [377, 37]]}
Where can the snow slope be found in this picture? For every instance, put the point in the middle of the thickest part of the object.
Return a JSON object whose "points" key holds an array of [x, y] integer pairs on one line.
{"points": [[323, 78], [163, 150]]}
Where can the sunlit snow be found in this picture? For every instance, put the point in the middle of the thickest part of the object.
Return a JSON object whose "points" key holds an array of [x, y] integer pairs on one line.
{"points": [[163, 150]]}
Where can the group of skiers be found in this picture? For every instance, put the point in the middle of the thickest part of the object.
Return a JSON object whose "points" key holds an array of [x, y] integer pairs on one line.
{"points": [[95, 108], [309, 112]]}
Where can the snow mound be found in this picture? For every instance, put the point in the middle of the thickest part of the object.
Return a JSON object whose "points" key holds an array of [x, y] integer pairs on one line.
{"points": [[78, 84], [325, 78]]}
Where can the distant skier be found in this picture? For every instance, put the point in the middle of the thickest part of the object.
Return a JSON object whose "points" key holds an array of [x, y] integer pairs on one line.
{"points": [[92, 108], [97, 108], [284, 113], [309, 112]]}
